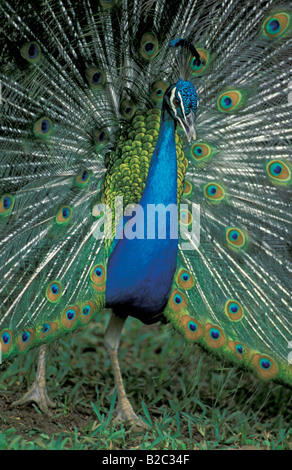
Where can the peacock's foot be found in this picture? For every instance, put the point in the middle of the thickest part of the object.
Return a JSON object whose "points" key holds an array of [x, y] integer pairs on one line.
{"points": [[37, 393], [126, 414]]}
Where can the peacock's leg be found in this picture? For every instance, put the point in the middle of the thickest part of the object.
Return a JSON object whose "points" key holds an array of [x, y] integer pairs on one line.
{"points": [[37, 392], [125, 411]]}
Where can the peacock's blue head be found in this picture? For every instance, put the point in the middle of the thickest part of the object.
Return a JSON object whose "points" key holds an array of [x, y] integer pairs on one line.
{"points": [[181, 100]]}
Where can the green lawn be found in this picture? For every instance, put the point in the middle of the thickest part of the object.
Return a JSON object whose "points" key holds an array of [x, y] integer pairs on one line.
{"points": [[190, 400]]}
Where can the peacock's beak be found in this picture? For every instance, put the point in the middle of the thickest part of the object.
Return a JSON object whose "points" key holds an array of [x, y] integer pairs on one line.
{"points": [[188, 125]]}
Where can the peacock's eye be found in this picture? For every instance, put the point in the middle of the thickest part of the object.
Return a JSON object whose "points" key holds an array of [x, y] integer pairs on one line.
{"points": [[84, 175], [128, 108], [70, 314], [6, 202], [149, 47], [158, 90], [65, 212], [236, 237], [55, 289], [86, 310], [215, 334], [197, 62], [6, 338], [64, 215], [176, 102], [33, 51], [98, 271], [102, 136], [239, 348], [279, 171], [277, 24], [226, 102], [192, 326], [25, 336], [274, 26], [97, 78], [45, 328], [265, 363], [45, 125]]}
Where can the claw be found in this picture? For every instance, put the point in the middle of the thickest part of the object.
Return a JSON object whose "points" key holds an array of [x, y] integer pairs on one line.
{"points": [[37, 393], [126, 414]]}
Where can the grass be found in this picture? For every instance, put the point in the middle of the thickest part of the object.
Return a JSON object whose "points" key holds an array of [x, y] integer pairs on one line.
{"points": [[190, 400]]}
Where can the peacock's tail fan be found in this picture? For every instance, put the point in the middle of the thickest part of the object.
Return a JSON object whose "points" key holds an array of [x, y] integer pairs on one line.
{"points": [[81, 87]]}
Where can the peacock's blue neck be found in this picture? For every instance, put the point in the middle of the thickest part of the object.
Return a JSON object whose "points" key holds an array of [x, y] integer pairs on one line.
{"points": [[161, 184], [140, 270]]}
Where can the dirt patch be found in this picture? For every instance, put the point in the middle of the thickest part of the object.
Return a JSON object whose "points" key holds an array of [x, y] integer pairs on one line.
{"points": [[27, 418]]}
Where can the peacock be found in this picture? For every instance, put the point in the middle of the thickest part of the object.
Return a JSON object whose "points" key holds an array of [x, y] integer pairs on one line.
{"points": [[145, 168]]}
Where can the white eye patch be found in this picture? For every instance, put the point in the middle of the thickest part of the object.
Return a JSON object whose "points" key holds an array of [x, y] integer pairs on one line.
{"points": [[172, 98], [182, 107]]}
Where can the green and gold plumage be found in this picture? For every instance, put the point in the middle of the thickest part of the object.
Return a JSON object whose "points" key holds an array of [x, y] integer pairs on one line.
{"points": [[128, 164]]}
